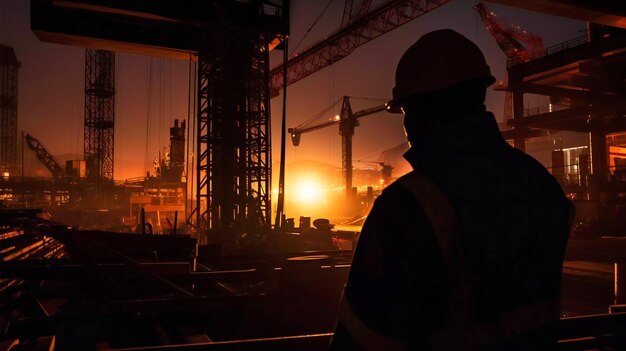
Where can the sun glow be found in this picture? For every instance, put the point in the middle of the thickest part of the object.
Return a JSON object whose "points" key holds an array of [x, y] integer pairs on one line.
{"points": [[308, 191]]}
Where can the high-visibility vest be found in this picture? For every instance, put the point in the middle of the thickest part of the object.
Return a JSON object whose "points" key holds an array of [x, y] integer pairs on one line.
{"points": [[461, 332]]}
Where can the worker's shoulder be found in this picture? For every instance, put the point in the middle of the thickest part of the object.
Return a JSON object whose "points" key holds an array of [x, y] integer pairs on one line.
{"points": [[531, 176], [526, 165], [403, 189], [411, 181], [398, 191]]}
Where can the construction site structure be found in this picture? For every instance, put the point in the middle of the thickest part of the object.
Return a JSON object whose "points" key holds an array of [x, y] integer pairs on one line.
{"points": [[586, 75], [230, 41], [160, 200], [347, 121], [9, 67], [99, 114], [359, 26]]}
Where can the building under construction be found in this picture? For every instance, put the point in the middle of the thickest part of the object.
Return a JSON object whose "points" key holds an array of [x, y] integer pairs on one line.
{"points": [[9, 67], [219, 275]]}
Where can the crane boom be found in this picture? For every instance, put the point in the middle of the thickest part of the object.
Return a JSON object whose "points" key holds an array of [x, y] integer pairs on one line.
{"points": [[511, 37], [44, 156], [296, 132], [350, 14], [347, 121], [342, 43]]}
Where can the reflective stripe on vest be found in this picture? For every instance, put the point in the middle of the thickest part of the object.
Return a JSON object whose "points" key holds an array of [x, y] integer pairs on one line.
{"points": [[460, 333], [365, 337]]}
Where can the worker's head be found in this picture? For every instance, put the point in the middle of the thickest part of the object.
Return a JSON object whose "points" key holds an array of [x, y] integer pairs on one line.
{"points": [[443, 74]]}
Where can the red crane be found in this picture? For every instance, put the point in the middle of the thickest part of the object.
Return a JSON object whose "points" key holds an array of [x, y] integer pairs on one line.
{"points": [[518, 44], [358, 28], [347, 121]]}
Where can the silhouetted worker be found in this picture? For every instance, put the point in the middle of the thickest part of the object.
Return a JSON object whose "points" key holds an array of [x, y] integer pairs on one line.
{"points": [[466, 251]]}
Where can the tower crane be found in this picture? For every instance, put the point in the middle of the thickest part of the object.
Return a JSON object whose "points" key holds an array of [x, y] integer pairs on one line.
{"points": [[347, 121], [518, 44]]}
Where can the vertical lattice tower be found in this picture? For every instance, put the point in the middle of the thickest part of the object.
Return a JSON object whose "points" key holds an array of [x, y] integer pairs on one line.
{"points": [[99, 113], [8, 108], [233, 166]]}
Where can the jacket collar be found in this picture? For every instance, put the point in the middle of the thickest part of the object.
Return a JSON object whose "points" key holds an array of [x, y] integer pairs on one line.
{"points": [[474, 134]]}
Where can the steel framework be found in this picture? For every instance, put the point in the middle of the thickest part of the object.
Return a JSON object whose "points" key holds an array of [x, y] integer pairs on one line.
{"points": [[8, 108], [234, 156], [385, 18], [99, 113]]}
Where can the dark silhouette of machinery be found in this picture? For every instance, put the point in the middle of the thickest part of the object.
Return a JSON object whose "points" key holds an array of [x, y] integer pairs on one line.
{"points": [[385, 170], [44, 156], [171, 167], [347, 121]]}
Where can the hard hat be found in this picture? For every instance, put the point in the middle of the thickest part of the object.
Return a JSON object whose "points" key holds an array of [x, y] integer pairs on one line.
{"points": [[438, 60]]}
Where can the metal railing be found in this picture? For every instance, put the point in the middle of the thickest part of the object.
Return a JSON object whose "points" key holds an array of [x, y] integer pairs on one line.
{"points": [[568, 44]]}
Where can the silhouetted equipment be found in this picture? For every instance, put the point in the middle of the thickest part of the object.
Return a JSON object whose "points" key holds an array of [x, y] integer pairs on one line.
{"points": [[99, 113], [347, 121], [385, 170], [358, 28], [172, 167], [8, 108], [518, 45], [44, 156]]}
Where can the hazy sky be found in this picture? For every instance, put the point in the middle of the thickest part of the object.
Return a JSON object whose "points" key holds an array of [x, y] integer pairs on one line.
{"points": [[151, 92]]}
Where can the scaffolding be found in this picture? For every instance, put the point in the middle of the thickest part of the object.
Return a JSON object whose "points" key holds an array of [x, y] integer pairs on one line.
{"points": [[8, 108], [233, 167], [99, 113]]}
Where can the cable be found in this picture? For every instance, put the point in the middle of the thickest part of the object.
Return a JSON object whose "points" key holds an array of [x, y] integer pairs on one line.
{"points": [[367, 98], [312, 25], [320, 114], [147, 169]]}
